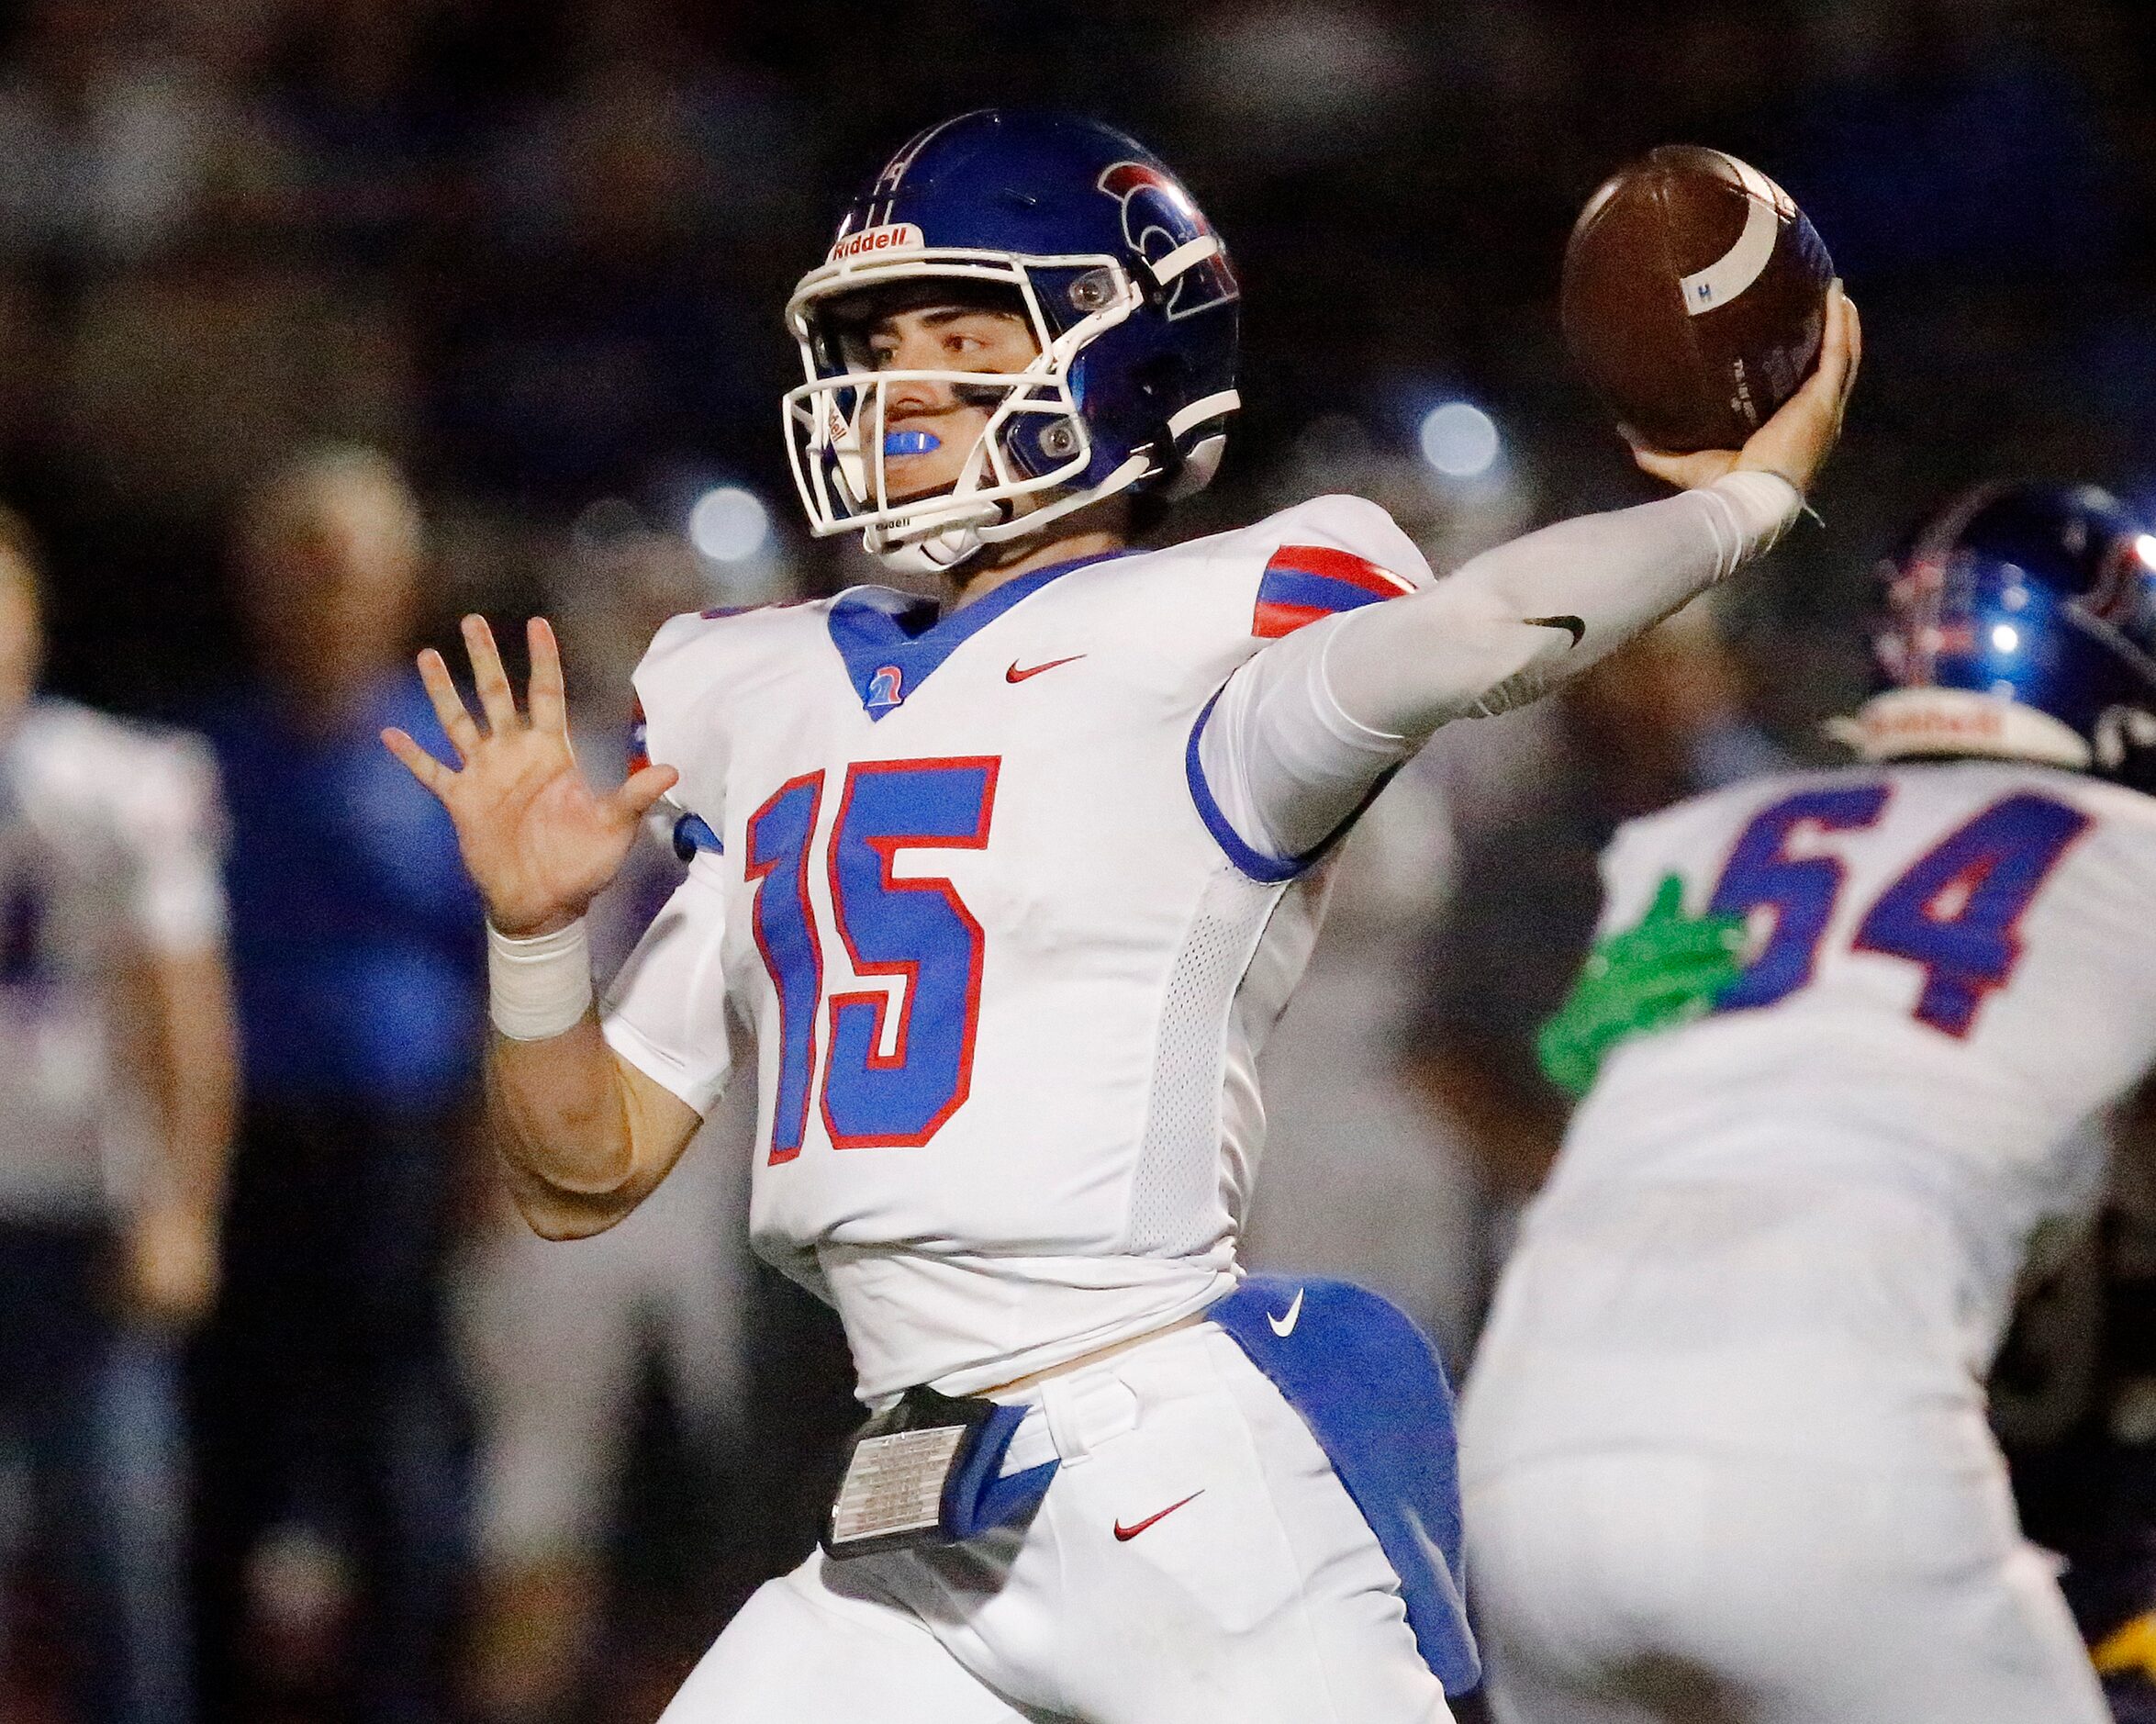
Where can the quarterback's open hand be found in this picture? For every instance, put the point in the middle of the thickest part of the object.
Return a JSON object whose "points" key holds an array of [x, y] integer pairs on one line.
{"points": [[1797, 442], [538, 841]]}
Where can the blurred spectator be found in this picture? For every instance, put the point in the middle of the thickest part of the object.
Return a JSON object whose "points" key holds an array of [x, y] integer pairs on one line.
{"points": [[331, 1483], [1659, 720], [115, 1109], [559, 1337], [104, 142], [606, 338]]}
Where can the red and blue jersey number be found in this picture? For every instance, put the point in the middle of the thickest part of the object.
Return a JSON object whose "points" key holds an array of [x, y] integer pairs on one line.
{"points": [[1955, 913], [780, 835], [884, 1082]]}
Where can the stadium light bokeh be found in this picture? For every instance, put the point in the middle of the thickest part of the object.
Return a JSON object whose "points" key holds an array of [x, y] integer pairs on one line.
{"points": [[729, 523], [1460, 440]]}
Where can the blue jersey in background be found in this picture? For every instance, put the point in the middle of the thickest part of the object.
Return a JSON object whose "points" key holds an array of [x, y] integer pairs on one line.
{"points": [[357, 941]]}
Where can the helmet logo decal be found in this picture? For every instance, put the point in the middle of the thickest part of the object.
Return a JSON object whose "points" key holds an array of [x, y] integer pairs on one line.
{"points": [[897, 236], [1158, 218]]}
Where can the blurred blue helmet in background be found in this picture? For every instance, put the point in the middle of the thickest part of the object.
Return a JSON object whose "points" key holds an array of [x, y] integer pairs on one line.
{"points": [[1132, 304], [2020, 621]]}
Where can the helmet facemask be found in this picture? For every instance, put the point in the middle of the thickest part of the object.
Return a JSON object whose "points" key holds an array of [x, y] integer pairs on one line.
{"points": [[1029, 463]]}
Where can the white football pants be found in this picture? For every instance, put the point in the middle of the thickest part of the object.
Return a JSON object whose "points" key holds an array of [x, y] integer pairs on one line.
{"points": [[1196, 1559], [1667, 1588], [1724, 1463]]}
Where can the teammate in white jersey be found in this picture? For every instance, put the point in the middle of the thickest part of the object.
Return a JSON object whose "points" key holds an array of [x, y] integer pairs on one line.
{"points": [[117, 1081], [1724, 1446], [1010, 893]]}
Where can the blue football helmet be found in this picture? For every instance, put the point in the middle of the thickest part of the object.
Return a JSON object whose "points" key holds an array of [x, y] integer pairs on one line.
{"points": [[2020, 621], [1133, 309]]}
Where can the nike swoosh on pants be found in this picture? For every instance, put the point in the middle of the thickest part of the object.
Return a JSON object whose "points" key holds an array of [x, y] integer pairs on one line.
{"points": [[1123, 1534]]}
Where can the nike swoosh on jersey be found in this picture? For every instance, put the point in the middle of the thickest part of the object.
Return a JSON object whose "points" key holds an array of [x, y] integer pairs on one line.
{"points": [[1570, 625], [1123, 1534], [1016, 674], [1285, 1327]]}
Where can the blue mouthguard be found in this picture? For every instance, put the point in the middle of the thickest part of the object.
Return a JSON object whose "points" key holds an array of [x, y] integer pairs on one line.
{"points": [[909, 442]]}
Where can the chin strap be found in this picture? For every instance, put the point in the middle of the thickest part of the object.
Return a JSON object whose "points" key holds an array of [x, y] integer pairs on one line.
{"points": [[935, 552], [951, 536]]}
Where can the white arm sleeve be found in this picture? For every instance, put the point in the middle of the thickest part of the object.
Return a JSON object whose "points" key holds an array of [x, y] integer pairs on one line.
{"points": [[665, 1014], [1302, 731]]}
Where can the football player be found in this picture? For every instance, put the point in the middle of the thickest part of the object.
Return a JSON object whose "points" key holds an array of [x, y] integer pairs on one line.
{"points": [[1724, 1446], [1009, 890], [116, 1092]]}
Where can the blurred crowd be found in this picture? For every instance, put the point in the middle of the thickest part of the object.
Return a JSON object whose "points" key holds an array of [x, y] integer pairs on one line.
{"points": [[322, 321]]}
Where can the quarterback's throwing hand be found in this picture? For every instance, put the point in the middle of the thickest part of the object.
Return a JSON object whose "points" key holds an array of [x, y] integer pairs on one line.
{"points": [[1797, 442], [538, 841]]}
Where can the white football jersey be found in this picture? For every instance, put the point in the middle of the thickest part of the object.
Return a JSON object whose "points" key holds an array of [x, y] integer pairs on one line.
{"points": [[1952, 976], [1007, 966], [109, 849]]}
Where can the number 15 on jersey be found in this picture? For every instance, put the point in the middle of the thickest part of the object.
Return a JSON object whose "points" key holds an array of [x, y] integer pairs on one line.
{"points": [[883, 1083]]}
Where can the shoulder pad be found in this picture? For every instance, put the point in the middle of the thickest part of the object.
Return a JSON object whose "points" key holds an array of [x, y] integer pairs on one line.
{"points": [[1330, 554], [1302, 583], [727, 624]]}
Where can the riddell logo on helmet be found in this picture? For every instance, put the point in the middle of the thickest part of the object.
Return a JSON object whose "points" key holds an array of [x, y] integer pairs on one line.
{"points": [[899, 236]]}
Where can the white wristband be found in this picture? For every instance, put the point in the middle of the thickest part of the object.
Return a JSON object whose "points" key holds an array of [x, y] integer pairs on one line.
{"points": [[540, 987]]}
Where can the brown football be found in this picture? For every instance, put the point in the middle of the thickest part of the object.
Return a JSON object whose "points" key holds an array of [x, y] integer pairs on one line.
{"points": [[1695, 297]]}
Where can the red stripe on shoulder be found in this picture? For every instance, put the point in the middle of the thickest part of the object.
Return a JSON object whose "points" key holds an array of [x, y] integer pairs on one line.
{"points": [[1273, 620], [1341, 565]]}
